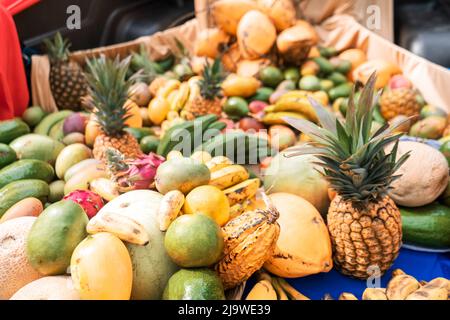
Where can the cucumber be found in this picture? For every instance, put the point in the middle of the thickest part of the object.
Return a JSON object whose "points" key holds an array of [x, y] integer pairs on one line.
{"points": [[325, 66], [35, 146], [26, 169], [427, 226], [12, 129], [327, 52], [7, 155], [19, 190], [49, 121], [33, 115], [341, 91], [139, 133]]}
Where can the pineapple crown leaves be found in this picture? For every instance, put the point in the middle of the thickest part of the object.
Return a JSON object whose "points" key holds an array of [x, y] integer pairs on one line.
{"points": [[353, 158], [141, 62], [107, 79], [58, 48], [212, 77]]}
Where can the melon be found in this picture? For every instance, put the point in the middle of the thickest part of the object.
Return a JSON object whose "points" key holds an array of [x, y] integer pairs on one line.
{"points": [[152, 267], [48, 288], [15, 270], [304, 245], [300, 176]]}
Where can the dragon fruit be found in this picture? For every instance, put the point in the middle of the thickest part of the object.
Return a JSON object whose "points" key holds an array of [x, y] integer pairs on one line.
{"points": [[88, 200], [132, 174]]}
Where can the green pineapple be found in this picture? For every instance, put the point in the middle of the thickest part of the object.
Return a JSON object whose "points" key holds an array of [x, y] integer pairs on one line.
{"points": [[67, 80], [208, 99], [109, 86], [364, 222]]}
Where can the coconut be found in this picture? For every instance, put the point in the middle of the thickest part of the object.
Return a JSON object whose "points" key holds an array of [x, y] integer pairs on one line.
{"points": [[15, 269], [300, 176]]}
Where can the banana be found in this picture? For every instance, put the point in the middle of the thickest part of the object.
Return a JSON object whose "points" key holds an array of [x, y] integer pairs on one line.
{"points": [[170, 208], [347, 296], [201, 156], [436, 289], [174, 154], [262, 290], [397, 272], [218, 162], [228, 176], [181, 98], [280, 292], [125, 228], [238, 208], [291, 291], [105, 188], [277, 117], [299, 105], [169, 86], [374, 294], [194, 88], [401, 286], [242, 191], [171, 97]]}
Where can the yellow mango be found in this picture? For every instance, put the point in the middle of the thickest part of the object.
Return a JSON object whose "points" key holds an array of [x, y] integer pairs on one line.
{"points": [[240, 86], [101, 268], [158, 109]]}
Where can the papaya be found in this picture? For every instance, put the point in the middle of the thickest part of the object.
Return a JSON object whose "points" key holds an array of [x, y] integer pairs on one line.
{"points": [[12, 129], [55, 235], [26, 169]]}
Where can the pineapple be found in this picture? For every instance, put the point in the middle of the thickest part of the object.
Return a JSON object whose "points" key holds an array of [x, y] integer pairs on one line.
{"points": [[401, 101], [67, 80], [363, 221], [108, 90], [208, 100]]}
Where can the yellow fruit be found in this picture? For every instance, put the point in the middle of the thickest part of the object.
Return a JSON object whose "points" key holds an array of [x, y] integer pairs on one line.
{"points": [[242, 191], [209, 42], [304, 245], [101, 268], [201, 156], [91, 132], [218, 162], [135, 119], [262, 290], [240, 86], [158, 109], [228, 176], [227, 13], [174, 154], [166, 88], [208, 200]]}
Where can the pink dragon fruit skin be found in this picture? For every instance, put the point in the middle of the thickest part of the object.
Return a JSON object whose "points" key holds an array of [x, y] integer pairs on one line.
{"points": [[88, 200], [141, 172]]}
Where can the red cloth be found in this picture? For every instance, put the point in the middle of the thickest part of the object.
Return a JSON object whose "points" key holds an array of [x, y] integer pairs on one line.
{"points": [[14, 94]]}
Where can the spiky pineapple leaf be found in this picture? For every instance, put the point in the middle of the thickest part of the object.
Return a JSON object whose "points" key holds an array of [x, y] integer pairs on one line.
{"points": [[57, 48]]}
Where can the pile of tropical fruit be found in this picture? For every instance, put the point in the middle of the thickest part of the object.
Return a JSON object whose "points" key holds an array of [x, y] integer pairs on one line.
{"points": [[261, 154]]}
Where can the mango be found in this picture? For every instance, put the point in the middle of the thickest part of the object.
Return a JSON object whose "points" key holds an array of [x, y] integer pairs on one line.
{"points": [[70, 156]]}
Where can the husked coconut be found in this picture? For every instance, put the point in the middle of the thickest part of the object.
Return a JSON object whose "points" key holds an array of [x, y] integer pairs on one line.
{"points": [[48, 288], [15, 270], [424, 176]]}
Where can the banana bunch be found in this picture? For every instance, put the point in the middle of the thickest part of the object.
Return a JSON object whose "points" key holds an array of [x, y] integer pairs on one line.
{"points": [[273, 288], [405, 287], [125, 228], [294, 104], [234, 180]]}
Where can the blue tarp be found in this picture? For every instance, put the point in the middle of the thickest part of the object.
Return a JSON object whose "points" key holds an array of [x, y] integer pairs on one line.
{"points": [[421, 265]]}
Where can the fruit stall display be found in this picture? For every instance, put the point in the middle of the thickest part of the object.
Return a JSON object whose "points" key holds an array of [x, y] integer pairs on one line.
{"points": [[293, 167]]}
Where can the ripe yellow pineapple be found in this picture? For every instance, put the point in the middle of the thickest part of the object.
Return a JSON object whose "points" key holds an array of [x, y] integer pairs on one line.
{"points": [[108, 89], [67, 80], [399, 102], [364, 223], [207, 100]]}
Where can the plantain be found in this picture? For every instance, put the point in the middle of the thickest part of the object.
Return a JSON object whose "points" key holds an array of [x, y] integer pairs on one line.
{"points": [[299, 105], [169, 86], [228, 176], [238, 208], [105, 188], [170, 208], [242, 191], [273, 118], [347, 296], [436, 289], [125, 228], [401, 286], [280, 292], [374, 294], [262, 290], [249, 240], [181, 97], [218, 162], [291, 291]]}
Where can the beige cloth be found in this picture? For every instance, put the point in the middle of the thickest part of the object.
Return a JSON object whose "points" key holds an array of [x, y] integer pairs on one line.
{"points": [[340, 31]]}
